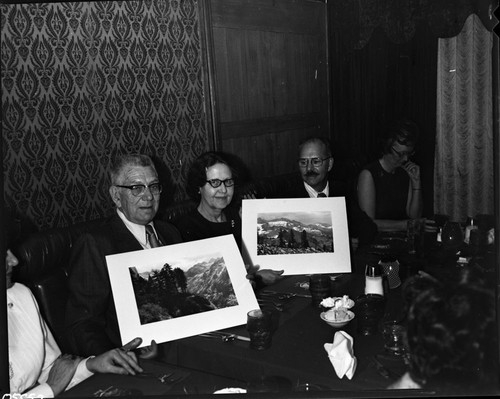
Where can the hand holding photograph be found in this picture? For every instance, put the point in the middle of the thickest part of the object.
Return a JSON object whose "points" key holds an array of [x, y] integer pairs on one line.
{"points": [[177, 291], [299, 235]]}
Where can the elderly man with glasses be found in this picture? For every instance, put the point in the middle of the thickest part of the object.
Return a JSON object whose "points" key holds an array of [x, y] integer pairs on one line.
{"points": [[92, 326], [389, 189]]}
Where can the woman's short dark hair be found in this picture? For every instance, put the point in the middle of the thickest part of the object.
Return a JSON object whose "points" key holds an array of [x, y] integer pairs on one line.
{"points": [[452, 333], [402, 131], [197, 175]]}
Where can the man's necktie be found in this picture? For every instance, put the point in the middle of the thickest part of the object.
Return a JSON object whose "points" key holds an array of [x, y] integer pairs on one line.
{"points": [[321, 195], [152, 239]]}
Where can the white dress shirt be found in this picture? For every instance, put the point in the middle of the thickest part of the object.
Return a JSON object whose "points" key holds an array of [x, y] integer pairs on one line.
{"points": [[138, 230], [32, 348], [313, 193]]}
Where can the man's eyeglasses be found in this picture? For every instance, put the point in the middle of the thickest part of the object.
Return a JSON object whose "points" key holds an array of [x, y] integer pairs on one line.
{"points": [[138, 190], [316, 162], [401, 154], [217, 182]]}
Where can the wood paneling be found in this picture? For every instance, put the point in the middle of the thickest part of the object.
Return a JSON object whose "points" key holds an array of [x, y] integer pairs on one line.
{"points": [[270, 77]]}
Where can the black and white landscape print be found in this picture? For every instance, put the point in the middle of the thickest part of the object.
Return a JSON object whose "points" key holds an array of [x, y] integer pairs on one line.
{"points": [[182, 287], [281, 233]]}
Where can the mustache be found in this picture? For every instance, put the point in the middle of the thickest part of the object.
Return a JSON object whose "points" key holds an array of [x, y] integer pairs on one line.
{"points": [[311, 173]]}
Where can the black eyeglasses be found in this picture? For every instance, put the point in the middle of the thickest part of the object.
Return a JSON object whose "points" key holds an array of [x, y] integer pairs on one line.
{"points": [[138, 190], [401, 154], [217, 182], [316, 162]]}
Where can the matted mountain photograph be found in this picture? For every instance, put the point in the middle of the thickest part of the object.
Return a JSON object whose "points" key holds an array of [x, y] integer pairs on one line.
{"points": [[180, 290], [182, 287], [284, 233]]}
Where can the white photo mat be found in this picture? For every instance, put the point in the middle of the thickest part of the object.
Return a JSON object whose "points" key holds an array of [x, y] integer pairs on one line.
{"points": [[182, 256], [267, 215]]}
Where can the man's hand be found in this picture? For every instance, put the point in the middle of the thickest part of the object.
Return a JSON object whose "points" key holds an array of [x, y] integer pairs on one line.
{"points": [[117, 361], [62, 372]]}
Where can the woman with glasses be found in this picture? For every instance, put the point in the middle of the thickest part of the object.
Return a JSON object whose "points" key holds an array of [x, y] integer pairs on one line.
{"points": [[389, 189], [211, 182]]}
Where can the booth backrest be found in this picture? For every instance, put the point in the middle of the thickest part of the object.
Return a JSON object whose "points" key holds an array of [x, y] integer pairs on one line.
{"points": [[43, 265]]}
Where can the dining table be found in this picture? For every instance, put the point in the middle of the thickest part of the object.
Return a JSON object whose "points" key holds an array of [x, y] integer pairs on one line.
{"points": [[296, 363]]}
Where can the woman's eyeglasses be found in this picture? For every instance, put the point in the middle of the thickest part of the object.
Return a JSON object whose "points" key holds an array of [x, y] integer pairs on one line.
{"points": [[138, 190], [217, 182], [401, 154]]}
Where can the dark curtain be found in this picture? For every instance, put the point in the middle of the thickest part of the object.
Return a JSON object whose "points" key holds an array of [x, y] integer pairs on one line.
{"points": [[383, 58]]}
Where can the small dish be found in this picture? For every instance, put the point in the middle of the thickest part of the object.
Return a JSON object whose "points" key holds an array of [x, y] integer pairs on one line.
{"points": [[337, 324]]}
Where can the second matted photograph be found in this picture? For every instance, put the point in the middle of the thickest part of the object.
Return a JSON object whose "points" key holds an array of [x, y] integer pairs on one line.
{"points": [[300, 236], [180, 290]]}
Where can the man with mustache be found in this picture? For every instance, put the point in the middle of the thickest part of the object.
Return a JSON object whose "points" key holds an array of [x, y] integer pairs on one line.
{"points": [[315, 163]]}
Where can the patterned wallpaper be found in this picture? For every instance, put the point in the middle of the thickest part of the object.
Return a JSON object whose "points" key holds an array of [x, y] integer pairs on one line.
{"points": [[82, 81]]}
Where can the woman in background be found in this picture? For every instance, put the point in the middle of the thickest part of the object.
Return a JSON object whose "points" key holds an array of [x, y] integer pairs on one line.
{"points": [[389, 189], [211, 183]]}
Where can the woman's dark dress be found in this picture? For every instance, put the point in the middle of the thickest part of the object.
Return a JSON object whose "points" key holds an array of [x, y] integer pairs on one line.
{"points": [[391, 192]]}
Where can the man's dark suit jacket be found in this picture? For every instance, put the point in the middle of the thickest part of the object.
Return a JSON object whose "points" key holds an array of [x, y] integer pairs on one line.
{"points": [[92, 325], [359, 223]]}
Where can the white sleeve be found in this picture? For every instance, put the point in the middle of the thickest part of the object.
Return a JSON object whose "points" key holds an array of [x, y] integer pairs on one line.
{"points": [[52, 352], [81, 373]]}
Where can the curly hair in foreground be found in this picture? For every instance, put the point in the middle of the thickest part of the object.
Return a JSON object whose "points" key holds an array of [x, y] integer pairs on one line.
{"points": [[452, 333]]}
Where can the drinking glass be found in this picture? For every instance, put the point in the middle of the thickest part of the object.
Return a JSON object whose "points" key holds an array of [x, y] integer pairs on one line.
{"points": [[394, 335], [260, 328], [369, 310], [415, 235], [452, 236], [320, 288]]}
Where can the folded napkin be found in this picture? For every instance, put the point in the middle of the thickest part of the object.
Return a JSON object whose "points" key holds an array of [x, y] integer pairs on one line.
{"points": [[341, 354]]}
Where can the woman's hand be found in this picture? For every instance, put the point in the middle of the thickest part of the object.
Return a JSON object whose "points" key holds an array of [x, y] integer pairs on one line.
{"points": [[267, 276], [62, 372], [117, 361], [413, 171], [149, 352]]}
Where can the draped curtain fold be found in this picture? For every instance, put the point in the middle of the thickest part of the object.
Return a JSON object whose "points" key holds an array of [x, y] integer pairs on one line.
{"points": [[463, 174]]}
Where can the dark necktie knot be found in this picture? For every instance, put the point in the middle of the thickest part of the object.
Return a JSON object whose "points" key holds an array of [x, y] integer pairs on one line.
{"points": [[151, 236], [321, 195]]}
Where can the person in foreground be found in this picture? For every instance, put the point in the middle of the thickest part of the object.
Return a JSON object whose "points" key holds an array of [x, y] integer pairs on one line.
{"points": [[389, 189], [91, 320], [315, 161], [36, 365], [211, 183], [451, 334]]}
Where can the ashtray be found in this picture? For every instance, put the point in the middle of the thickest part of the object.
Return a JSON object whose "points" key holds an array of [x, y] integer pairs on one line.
{"points": [[333, 317]]}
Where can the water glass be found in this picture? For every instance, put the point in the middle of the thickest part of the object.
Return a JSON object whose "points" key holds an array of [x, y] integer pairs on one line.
{"points": [[260, 328], [369, 310], [415, 235], [394, 335], [320, 288], [452, 236]]}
